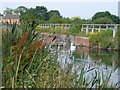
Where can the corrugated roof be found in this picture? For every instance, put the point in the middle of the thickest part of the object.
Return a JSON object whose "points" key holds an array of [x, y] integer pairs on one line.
{"points": [[11, 16]]}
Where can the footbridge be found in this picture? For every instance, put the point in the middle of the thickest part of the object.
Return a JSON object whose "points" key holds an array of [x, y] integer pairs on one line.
{"points": [[86, 27]]}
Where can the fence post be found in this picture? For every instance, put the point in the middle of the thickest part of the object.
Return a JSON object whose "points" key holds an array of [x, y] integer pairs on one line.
{"points": [[114, 30], [99, 28], [87, 29], [93, 29], [82, 28]]}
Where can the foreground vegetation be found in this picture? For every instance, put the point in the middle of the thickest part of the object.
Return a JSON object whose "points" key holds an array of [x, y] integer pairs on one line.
{"points": [[27, 64]]}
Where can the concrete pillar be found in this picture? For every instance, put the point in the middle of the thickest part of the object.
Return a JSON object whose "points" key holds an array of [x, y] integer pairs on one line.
{"points": [[114, 30], [69, 26], [44, 26], [93, 29], [50, 25], [99, 28], [40, 26], [87, 29], [82, 28], [106, 27], [65, 27]]}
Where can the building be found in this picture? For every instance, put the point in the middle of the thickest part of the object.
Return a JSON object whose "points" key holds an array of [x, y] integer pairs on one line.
{"points": [[11, 18], [119, 9]]}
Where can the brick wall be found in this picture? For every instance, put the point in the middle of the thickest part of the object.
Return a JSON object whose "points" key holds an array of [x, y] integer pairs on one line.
{"points": [[82, 41]]}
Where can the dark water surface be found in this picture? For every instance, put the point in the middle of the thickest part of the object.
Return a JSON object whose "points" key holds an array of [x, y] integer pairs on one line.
{"points": [[100, 60]]}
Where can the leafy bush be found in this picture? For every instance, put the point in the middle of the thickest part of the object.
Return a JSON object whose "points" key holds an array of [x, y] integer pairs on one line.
{"points": [[103, 40], [75, 29]]}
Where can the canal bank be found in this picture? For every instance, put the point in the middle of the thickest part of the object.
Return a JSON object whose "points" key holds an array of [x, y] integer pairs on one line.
{"points": [[75, 40]]}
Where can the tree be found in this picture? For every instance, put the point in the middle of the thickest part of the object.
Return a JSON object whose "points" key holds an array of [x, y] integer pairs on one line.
{"points": [[88, 21], [52, 13], [77, 20], [8, 11], [115, 19], [20, 10], [103, 20], [66, 20], [73, 18], [30, 21], [101, 14], [55, 19], [41, 12], [106, 14]]}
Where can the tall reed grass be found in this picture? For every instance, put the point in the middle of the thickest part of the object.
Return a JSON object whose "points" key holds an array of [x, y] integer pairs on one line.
{"points": [[27, 64]]}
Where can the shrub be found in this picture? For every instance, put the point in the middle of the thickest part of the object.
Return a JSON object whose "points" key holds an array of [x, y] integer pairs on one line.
{"points": [[102, 39], [75, 29]]}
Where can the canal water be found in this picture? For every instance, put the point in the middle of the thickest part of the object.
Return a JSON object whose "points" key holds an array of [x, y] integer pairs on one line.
{"points": [[98, 60]]}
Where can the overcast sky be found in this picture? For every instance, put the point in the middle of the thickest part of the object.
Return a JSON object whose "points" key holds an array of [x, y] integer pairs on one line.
{"points": [[82, 8]]}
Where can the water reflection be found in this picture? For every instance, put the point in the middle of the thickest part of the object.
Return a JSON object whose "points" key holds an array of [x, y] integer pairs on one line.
{"points": [[100, 60]]}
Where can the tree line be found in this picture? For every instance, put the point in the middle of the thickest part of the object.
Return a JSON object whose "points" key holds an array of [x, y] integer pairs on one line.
{"points": [[40, 14]]}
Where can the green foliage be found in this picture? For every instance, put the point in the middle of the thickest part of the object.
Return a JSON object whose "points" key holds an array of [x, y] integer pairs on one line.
{"points": [[20, 10], [40, 12], [66, 20], [89, 21], [29, 20], [55, 19], [52, 13], [73, 18], [75, 29], [103, 20], [106, 14], [117, 39], [101, 14], [103, 40], [77, 20], [8, 11]]}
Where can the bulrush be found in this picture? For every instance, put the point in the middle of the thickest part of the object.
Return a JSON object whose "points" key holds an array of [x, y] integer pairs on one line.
{"points": [[23, 40]]}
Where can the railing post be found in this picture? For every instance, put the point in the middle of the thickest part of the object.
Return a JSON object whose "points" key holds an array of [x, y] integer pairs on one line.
{"points": [[87, 29], [82, 28], [114, 30], [106, 26], [99, 28], [93, 29]]}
